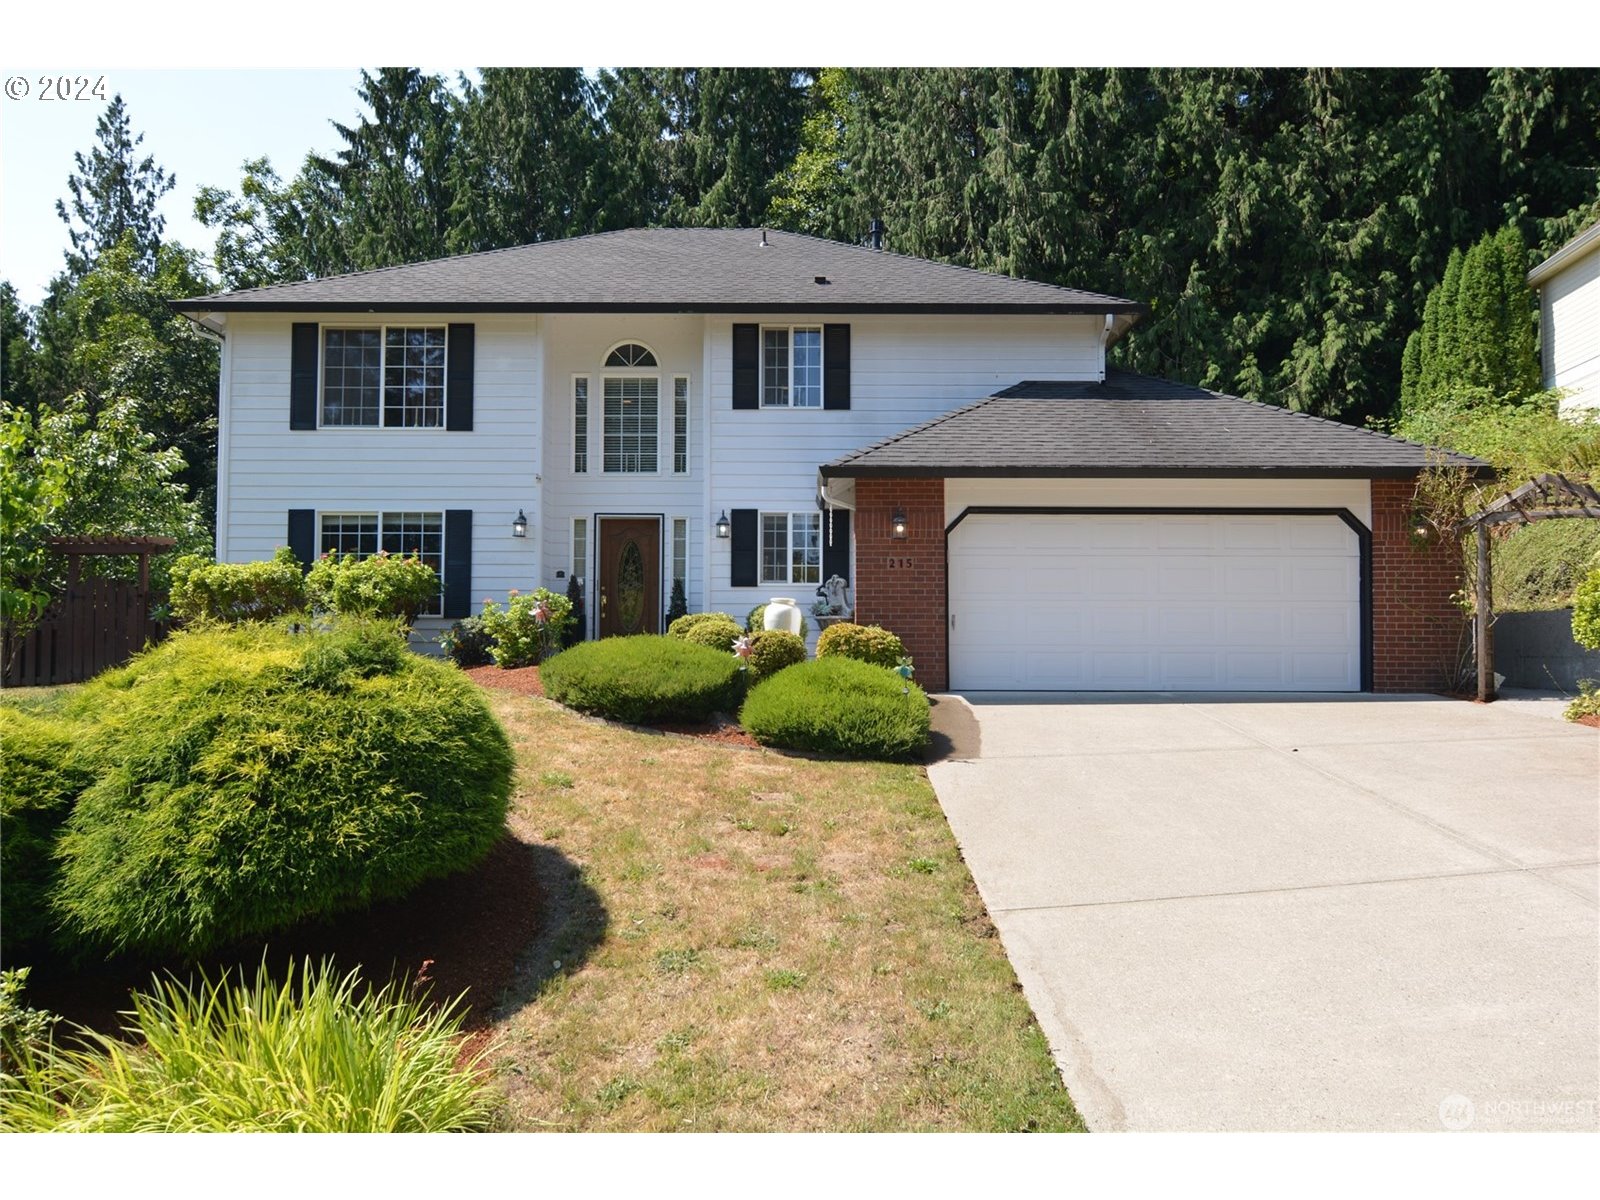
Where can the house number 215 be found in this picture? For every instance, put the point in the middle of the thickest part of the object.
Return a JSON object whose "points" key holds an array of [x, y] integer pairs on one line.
{"points": [[899, 564]]}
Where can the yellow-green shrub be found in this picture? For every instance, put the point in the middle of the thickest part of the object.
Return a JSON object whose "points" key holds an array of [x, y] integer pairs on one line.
{"points": [[864, 643]]}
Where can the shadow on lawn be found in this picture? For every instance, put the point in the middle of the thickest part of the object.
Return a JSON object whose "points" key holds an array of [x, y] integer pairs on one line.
{"points": [[491, 932]]}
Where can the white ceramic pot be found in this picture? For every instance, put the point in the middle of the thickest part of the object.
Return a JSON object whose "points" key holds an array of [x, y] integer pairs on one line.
{"points": [[782, 613]]}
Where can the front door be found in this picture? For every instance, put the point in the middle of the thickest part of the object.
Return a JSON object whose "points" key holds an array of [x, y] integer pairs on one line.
{"points": [[630, 575]]}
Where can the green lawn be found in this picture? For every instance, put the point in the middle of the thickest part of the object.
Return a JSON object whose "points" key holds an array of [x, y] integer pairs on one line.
{"points": [[785, 944]]}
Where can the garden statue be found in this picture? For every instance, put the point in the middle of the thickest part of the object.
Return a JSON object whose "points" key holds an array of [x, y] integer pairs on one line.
{"points": [[836, 592]]}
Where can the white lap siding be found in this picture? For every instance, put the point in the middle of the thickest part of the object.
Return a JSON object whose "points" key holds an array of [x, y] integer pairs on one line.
{"points": [[269, 468], [904, 370]]}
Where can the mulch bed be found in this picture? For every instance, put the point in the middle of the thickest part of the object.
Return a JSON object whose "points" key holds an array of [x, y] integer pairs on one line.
{"points": [[460, 934], [524, 681], [1592, 721]]}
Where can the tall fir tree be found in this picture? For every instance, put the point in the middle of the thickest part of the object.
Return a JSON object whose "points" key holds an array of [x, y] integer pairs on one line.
{"points": [[113, 194]]}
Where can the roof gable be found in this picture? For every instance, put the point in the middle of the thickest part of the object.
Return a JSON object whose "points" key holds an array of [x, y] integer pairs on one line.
{"points": [[1136, 425], [673, 270]]}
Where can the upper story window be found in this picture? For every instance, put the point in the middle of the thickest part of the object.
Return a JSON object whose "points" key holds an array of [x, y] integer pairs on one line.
{"points": [[791, 366], [631, 425], [631, 354], [393, 377]]}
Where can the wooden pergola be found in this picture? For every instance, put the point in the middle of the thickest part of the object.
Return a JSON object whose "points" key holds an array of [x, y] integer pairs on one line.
{"points": [[1543, 498]]}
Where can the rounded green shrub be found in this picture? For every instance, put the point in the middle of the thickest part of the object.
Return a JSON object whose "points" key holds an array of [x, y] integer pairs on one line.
{"points": [[379, 585], [772, 650], [643, 679], [864, 643], [44, 773], [716, 631], [839, 706], [249, 777], [752, 622], [256, 591], [1586, 611]]}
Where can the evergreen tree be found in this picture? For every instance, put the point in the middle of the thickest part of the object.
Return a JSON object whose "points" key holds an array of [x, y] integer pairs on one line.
{"points": [[113, 194], [16, 353]]}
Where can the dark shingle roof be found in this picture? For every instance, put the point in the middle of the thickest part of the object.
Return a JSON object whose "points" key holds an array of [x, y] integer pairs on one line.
{"points": [[1135, 425], [673, 270]]}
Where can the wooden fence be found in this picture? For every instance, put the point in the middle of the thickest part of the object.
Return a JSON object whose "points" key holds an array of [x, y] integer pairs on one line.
{"points": [[95, 624]]}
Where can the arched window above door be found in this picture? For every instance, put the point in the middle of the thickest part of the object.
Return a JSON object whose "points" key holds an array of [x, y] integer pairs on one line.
{"points": [[631, 354]]}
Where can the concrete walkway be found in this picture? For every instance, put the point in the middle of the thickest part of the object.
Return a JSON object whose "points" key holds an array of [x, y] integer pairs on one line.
{"points": [[1287, 913]]}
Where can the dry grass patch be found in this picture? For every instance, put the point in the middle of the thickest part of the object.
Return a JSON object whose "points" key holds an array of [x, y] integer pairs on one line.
{"points": [[779, 944]]}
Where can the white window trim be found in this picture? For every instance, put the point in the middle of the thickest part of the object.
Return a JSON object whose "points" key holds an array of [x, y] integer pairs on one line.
{"points": [[688, 427], [788, 516], [822, 370], [620, 373], [380, 513], [382, 328], [588, 433]]}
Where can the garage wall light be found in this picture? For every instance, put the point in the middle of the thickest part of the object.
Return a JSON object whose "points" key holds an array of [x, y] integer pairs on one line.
{"points": [[898, 525]]}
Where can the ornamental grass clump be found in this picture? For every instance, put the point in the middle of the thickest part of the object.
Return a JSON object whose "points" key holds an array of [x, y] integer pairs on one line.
{"points": [[644, 679], [864, 643], [317, 1052], [246, 778], [714, 630], [839, 706]]}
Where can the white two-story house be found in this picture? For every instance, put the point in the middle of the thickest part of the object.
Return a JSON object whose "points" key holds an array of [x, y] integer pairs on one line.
{"points": [[752, 412], [1568, 283]]}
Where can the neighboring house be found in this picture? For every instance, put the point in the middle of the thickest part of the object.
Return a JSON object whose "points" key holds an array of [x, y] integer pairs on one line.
{"points": [[1569, 320], [753, 412]]}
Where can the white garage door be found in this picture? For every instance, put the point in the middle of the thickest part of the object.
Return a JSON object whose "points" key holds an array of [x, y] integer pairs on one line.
{"points": [[1201, 602]]}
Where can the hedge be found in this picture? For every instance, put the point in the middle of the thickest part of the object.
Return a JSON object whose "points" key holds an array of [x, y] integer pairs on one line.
{"points": [[255, 591], [1586, 611], [248, 777], [839, 706], [644, 679]]}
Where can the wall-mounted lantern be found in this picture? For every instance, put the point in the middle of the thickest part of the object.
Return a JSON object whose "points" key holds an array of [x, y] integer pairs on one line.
{"points": [[724, 529], [898, 525], [519, 525]]}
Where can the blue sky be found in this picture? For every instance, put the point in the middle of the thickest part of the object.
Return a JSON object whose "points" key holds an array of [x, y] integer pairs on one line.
{"points": [[199, 125]]}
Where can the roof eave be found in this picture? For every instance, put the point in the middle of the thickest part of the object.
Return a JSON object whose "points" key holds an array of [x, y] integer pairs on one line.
{"points": [[1051, 308], [875, 471], [1577, 248]]}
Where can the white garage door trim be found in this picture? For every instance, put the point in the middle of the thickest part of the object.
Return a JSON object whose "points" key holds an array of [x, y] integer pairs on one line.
{"points": [[1158, 599]]}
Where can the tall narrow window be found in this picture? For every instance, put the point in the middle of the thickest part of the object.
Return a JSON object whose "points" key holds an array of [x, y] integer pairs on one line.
{"points": [[580, 548], [680, 425], [580, 425], [680, 551]]}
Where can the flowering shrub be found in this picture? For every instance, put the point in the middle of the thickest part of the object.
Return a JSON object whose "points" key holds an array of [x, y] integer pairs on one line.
{"points": [[380, 585], [257, 591], [528, 630]]}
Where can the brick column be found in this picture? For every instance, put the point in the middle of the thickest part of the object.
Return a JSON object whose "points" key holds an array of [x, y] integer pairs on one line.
{"points": [[901, 584], [1420, 637]]}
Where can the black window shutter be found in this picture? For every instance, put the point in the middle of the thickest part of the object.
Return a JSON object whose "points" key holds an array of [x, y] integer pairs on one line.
{"points": [[303, 535], [746, 548], [458, 562], [458, 379], [303, 375], [747, 366], [836, 366], [836, 544]]}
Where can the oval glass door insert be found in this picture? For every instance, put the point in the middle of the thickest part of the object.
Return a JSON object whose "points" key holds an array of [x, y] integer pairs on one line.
{"points": [[630, 587]]}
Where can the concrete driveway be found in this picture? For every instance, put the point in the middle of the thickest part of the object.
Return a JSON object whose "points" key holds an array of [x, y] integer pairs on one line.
{"points": [[1288, 913]]}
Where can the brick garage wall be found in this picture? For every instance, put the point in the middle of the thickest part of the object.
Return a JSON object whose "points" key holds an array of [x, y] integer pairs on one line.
{"points": [[901, 584], [1419, 636]]}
